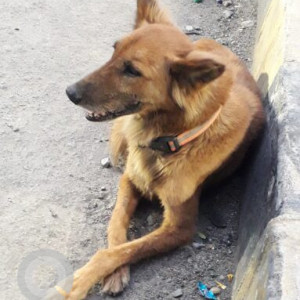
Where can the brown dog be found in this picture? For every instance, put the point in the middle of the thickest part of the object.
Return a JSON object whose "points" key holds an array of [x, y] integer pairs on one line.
{"points": [[191, 110]]}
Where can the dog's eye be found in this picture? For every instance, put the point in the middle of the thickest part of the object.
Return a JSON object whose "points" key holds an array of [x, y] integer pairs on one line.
{"points": [[130, 70]]}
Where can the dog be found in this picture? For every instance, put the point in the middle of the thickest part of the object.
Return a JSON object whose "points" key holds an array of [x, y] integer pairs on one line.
{"points": [[185, 113]]}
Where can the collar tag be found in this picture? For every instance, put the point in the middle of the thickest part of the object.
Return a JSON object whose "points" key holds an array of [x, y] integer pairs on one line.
{"points": [[167, 144]]}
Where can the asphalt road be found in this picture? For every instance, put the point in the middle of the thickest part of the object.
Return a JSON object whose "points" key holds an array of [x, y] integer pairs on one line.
{"points": [[54, 194]]}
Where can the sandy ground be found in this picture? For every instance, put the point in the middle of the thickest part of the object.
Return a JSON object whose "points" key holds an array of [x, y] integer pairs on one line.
{"points": [[54, 192]]}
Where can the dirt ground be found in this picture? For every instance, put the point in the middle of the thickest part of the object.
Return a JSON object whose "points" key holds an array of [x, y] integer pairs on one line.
{"points": [[54, 192]]}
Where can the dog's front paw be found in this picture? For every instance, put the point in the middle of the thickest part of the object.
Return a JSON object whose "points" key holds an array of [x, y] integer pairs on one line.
{"points": [[117, 281], [82, 282]]}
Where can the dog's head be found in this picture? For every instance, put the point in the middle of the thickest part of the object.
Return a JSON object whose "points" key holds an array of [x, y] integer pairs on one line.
{"points": [[146, 70]]}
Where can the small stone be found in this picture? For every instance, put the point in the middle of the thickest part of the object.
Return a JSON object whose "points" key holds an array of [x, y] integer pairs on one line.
{"points": [[227, 3], [105, 162], [221, 277], [219, 1], [227, 14], [178, 293], [216, 290], [103, 188], [150, 220], [210, 246], [198, 245], [189, 28], [202, 235], [247, 24], [53, 214]]}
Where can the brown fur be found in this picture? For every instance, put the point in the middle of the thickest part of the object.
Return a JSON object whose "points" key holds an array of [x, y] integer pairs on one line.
{"points": [[181, 86]]}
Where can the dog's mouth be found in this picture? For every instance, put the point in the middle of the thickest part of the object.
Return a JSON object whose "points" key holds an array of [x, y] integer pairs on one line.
{"points": [[101, 116]]}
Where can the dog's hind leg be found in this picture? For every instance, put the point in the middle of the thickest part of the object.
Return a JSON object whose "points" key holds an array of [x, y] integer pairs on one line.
{"points": [[127, 201]]}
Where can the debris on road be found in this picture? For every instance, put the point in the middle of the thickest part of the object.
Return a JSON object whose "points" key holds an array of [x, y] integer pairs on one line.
{"points": [[221, 277], [227, 14], [205, 292], [192, 30], [178, 293], [198, 1], [202, 235], [248, 23], [227, 3], [230, 277], [105, 162], [221, 285], [150, 220], [216, 290], [53, 214], [197, 245], [219, 1]]}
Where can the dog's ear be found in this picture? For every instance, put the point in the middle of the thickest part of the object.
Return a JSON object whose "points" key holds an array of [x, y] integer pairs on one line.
{"points": [[196, 67], [149, 12]]}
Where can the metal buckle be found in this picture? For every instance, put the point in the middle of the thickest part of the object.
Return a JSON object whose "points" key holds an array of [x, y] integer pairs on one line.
{"points": [[167, 144]]}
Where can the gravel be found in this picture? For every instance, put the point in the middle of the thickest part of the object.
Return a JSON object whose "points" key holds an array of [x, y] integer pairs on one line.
{"points": [[177, 294], [105, 162], [51, 174]]}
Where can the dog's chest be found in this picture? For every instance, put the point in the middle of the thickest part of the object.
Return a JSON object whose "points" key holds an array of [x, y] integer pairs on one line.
{"points": [[145, 169]]}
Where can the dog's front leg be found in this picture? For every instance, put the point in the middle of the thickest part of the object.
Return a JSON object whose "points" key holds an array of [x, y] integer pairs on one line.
{"points": [[127, 201], [177, 229]]}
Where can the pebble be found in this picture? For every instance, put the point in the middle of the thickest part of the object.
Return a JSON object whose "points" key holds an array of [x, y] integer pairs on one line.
{"points": [[105, 162], [103, 188], [178, 293], [192, 30], [219, 1], [247, 24], [198, 245], [227, 3], [216, 290], [189, 28], [227, 13], [222, 277], [150, 220], [202, 235]]}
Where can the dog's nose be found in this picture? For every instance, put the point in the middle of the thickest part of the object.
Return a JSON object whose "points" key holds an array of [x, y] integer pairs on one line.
{"points": [[74, 94]]}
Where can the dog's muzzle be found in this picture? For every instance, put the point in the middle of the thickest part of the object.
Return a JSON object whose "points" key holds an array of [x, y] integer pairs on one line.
{"points": [[74, 94]]}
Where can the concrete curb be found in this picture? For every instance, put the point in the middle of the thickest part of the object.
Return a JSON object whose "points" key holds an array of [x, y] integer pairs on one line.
{"points": [[269, 242]]}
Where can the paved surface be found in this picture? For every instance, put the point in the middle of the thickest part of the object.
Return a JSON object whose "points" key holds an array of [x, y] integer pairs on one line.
{"points": [[54, 193]]}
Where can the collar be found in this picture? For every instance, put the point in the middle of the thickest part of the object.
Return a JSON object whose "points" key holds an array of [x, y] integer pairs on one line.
{"points": [[171, 144]]}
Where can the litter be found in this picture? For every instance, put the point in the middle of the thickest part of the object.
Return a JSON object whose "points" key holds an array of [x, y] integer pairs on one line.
{"points": [[230, 277], [221, 285], [202, 235], [205, 292]]}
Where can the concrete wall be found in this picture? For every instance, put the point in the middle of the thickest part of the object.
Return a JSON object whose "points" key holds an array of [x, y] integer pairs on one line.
{"points": [[269, 240]]}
